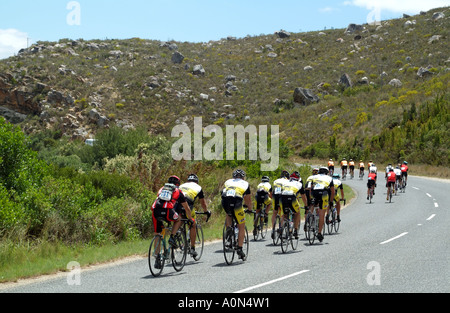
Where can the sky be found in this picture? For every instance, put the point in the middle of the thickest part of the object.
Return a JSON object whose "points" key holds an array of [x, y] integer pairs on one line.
{"points": [[24, 22]]}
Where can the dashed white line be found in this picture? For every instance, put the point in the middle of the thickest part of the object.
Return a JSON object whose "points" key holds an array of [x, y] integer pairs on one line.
{"points": [[396, 237], [429, 196], [436, 205], [271, 282], [431, 217], [416, 188]]}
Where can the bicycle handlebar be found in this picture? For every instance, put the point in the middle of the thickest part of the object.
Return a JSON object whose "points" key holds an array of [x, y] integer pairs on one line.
{"points": [[208, 214]]}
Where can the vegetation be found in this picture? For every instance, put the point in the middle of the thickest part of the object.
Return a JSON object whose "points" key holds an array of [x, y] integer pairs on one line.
{"points": [[58, 192]]}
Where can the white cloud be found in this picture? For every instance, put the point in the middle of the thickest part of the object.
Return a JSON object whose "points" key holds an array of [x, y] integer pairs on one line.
{"points": [[400, 6], [328, 10], [11, 41]]}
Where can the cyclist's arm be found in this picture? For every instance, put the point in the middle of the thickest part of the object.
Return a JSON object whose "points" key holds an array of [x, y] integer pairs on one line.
{"points": [[203, 204], [248, 200]]}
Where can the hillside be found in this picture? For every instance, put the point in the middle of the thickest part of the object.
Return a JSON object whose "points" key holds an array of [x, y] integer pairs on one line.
{"points": [[373, 91]]}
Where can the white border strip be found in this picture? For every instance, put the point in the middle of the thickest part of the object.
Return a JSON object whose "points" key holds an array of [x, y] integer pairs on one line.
{"points": [[271, 282], [401, 235]]}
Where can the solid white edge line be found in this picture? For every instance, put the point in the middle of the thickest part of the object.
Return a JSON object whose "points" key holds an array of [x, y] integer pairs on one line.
{"points": [[432, 216], [401, 235], [271, 282]]}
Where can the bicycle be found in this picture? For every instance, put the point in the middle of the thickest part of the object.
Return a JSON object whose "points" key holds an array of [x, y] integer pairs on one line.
{"points": [[287, 232], [175, 254], [333, 222], [260, 224], [344, 174], [230, 241], [312, 224], [371, 194], [361, 174], [199, 241], [275, 229]]}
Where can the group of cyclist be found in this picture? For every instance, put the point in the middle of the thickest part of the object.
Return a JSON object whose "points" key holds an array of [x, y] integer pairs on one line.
{"points": [[393, 176], [175, 201]]}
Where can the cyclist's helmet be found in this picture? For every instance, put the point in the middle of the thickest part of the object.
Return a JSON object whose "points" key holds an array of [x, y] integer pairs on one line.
{"points": [[265, 179], [323, 170], [239, 174], [193, 178], [174, 180], [285, 174], [295, 176], [391, 169], [336, 175], [315, 171], [404, 162]]}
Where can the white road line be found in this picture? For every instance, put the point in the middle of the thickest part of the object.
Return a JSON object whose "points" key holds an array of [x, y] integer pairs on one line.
{"points": [[416, 188], [429, 196], [436, 205], [401, 235], [431, 217], [271, 282]]}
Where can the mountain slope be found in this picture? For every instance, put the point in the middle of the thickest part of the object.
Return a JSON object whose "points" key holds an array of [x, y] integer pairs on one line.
{"points": [[396, 105]]}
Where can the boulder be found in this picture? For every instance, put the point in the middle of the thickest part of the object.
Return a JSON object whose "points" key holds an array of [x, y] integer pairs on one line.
{"points": [[283, 34], [346, 81], [305, 96], [352, 28], [198, 70], [177, 57], [395, 83]]}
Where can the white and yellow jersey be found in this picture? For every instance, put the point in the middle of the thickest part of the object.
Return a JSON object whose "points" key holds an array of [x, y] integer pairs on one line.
{"points": [[278, 186], [264, 186], [292, 188], [319, 182], [191, 190], [236, 188]]}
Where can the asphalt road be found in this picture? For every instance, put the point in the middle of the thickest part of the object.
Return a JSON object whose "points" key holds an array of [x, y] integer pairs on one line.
{"points": [[382, 247]]}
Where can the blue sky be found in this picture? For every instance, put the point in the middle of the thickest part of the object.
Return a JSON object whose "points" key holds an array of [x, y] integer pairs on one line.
{"points": [[184, 20]]}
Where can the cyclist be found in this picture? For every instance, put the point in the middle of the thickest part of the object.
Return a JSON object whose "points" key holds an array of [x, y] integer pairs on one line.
{"points": [[371, 182], [344, 165], [337, 186], [361, 169], [263, 197], [390, 181], [351, 165], [321, 188], [398, 175], [277, 190], [236, 192], [369, 165], [331, 166], [192, 190], [404, 170], [388, 169], [373, 168], [165, 207], [289, 199]]}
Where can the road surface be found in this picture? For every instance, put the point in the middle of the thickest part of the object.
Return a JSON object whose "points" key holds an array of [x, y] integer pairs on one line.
{"points": [[401, 246]]}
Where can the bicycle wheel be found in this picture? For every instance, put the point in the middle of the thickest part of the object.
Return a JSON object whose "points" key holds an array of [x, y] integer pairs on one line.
{"points": [[199, 242], [264, 227], [179, 251], [337, 224], [246, 245], [257, 226], [330, 225], [228, 244], [311, 228], [156, 258], [294, 241], [284, 236], [275, 232]]}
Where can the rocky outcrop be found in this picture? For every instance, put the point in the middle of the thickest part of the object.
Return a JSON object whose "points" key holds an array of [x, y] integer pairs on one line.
{"points": [[19, 98]]}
